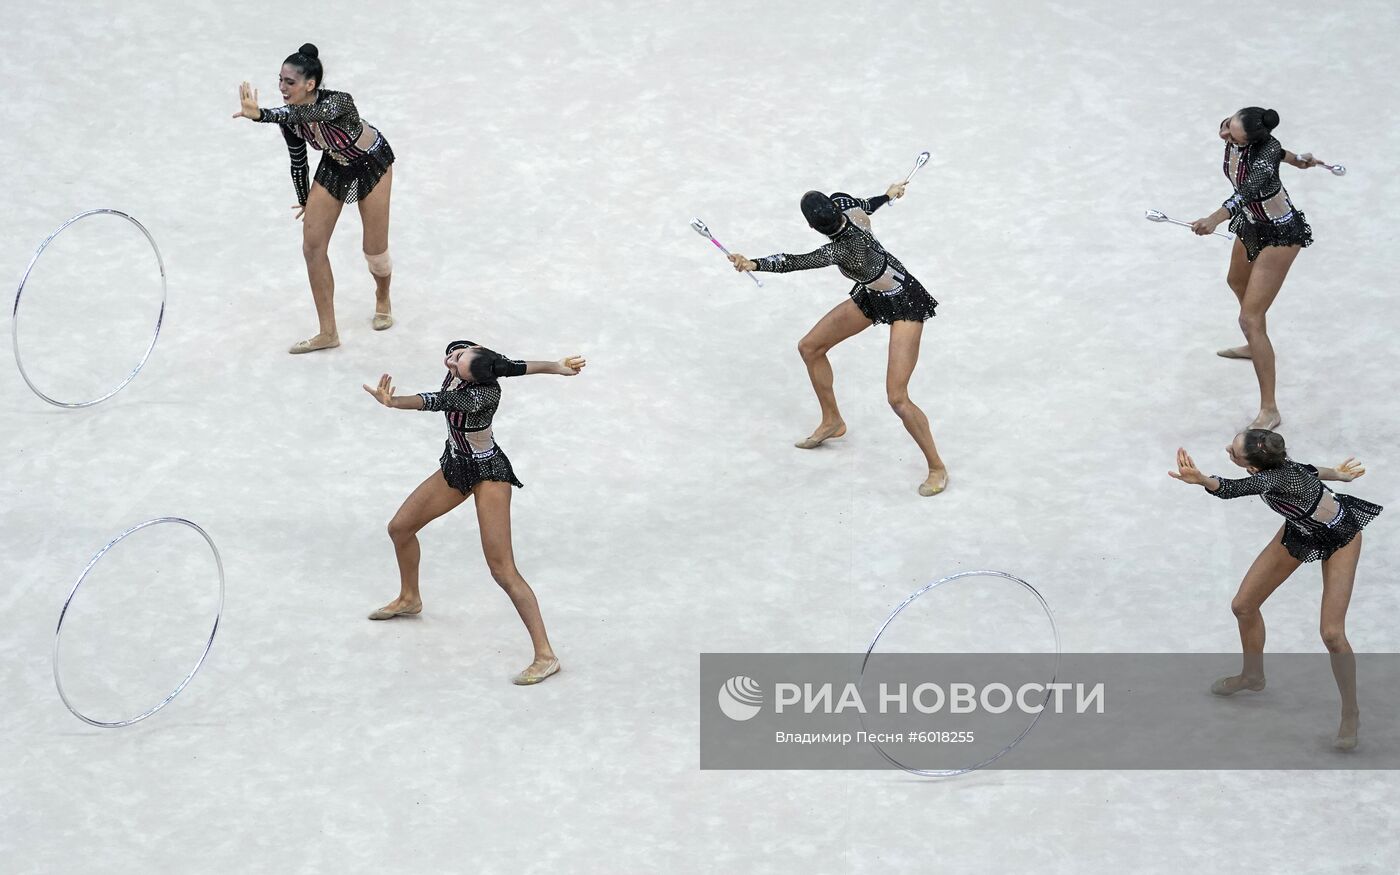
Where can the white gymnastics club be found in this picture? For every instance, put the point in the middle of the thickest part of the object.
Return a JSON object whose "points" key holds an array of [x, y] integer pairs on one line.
{"points": [[1337, 169], [918, 162], [1159, 216], [704, 231]]}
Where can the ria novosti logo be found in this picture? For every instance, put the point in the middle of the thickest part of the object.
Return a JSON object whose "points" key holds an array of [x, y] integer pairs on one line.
{"points": [[740, 698]]}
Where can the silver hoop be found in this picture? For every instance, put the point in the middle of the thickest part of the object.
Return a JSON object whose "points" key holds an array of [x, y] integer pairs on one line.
{"points": [[58, 633], [14, 314], [948, 773]]}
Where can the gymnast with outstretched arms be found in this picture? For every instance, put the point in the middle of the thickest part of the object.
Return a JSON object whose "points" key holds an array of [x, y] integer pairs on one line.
{"points": [[883, 293], [1319, 525], [472, 463]]}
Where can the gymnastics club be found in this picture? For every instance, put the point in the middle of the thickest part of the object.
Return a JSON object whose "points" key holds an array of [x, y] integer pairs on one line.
{"points": [[1337, 169], [704, 231], [918, 162], [1159, 216]]}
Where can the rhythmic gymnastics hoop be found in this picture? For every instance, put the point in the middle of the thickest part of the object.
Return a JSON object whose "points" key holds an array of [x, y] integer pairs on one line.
{"points": [[58, 633], [948, 773], [14, 314]]}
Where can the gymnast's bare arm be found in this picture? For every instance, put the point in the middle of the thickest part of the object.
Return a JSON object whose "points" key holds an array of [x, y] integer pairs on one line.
{"points": [[384, 394], [565, 367], [1346, 472]]}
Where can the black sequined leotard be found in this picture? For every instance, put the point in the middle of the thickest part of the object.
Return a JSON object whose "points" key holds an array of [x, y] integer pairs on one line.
{"points": [[1319, 521], [884, 291], [1261, 213], [356, 155], [472, 454]]}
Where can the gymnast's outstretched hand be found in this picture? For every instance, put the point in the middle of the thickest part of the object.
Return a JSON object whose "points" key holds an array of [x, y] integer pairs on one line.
{"points": [[896, 191], [1349, 470], [742, 264], [1186, 470], [248, 98], [384, 392], [570, 366], [1304, 161]]}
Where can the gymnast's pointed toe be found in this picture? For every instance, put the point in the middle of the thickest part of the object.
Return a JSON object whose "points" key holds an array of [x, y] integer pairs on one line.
{"points": [[1234, 352]]}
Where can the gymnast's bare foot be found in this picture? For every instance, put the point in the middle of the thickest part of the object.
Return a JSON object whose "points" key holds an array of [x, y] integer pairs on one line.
{"points": [[1234, 352], [937, 482], [1228, 686], [825, 432], [398, 607], [320, 341], [1346, 733], [1268, 418]]}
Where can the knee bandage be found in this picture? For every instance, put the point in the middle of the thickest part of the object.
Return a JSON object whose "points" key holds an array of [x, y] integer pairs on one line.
{"points": [[380, 265]]}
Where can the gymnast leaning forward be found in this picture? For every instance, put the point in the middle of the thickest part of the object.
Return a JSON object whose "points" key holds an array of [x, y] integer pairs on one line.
{"points": [[356, 167], [472, 464], [1319, 525], [884, 293]]}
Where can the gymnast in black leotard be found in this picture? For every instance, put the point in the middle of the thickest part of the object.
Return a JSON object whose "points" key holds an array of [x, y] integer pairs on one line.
{"points": [[471, 454], [1269, 233], [884, 293], [471, 464], [1319, 525], [356, 167]]}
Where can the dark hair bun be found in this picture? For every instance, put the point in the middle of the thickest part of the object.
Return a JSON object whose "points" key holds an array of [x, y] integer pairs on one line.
{"points": [[1264, 449], [1270, 118], [312, 52]]}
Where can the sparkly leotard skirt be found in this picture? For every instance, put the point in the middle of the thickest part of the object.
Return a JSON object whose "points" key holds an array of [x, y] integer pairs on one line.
{"points": [[354, 181], [909, 302], [464, 470], [1257, 234], [1309, 540]]}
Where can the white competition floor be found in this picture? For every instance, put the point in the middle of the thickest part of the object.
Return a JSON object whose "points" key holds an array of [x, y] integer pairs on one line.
{"points": [[550, 156]]}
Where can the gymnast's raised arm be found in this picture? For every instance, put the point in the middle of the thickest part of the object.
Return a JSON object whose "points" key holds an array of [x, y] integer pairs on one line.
{"points": [[846, 202]]}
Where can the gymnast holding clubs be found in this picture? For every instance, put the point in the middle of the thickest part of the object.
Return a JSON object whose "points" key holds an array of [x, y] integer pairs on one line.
{"points": [[473, 464], [1269, 232], [356, 167], [1319, 525], [883, 293]]}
